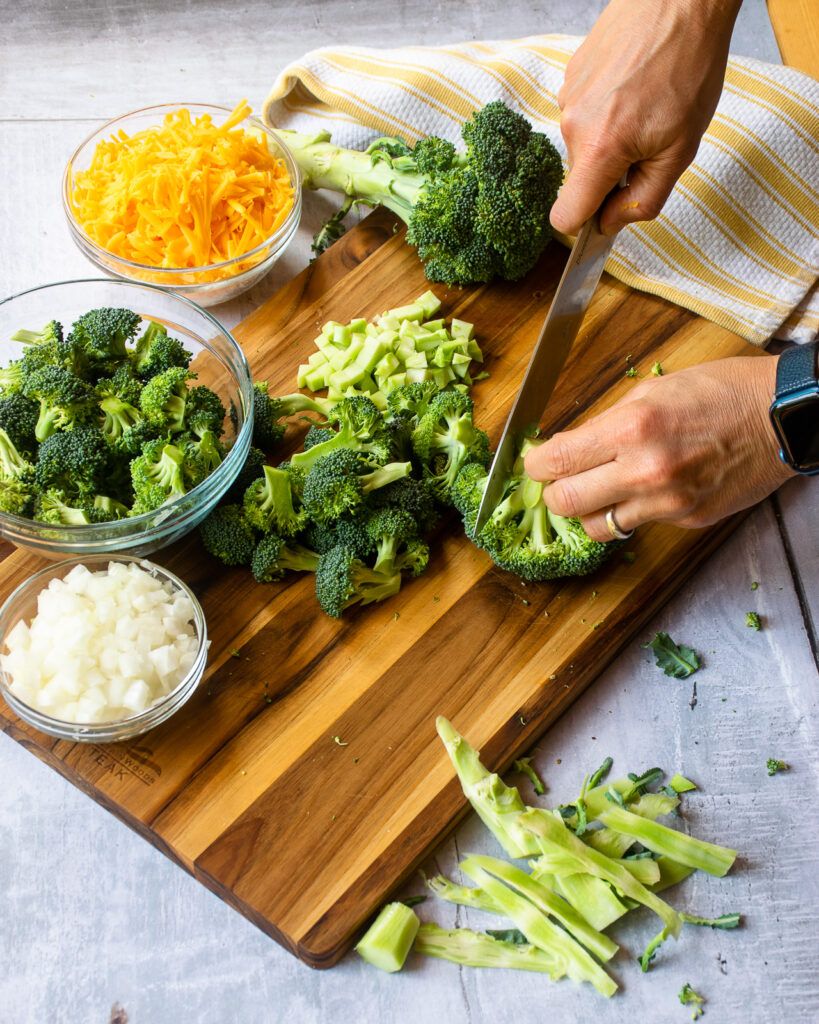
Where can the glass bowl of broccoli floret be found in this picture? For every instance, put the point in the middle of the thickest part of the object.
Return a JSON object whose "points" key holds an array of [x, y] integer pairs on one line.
{"points": [[125, 417], [191, 197]]}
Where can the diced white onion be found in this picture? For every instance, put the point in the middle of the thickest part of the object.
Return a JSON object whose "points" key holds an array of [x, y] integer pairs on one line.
{"points": [[103, 645]]}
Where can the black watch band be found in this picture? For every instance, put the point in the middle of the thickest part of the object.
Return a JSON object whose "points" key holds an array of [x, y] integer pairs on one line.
{"points": [[795, 408]]}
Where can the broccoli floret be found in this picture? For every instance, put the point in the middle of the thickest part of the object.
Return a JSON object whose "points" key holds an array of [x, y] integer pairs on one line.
{"points": [[774, 765], [268, 504], [522, 535], [13, 463], [55, 506], [360, 426], [275, 554], [349, 531], [53, 331], [415, 496], [104, 334], [410, 401], [339, 482], [156, 351], [11, 377], [204, 412], [445, 440], [753, 620], [118, 400], [206, 450], [16, 497], [414, 557], [18, 417], [68, 354], [228, 536], [107, 509], [65, 400], [390, 529], [161, 473], [75, 461], [251, 470], [472, 215], [343, 580], [317, 435], [269, 413], [164, 400]]}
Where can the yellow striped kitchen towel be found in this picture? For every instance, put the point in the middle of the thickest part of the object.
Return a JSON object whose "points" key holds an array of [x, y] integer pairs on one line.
{"points": [[737, 241]]}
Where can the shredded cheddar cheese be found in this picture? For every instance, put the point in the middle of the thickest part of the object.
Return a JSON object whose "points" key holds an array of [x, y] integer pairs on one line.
{"points": [[187, 193]]}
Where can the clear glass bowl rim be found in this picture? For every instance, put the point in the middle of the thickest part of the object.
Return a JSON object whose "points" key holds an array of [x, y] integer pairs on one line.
{"points": [[122, 728], [283, 231]]}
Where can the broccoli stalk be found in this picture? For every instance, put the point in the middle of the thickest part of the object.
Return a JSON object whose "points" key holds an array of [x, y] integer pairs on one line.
{"points": [[388, 940], [473, 215]]}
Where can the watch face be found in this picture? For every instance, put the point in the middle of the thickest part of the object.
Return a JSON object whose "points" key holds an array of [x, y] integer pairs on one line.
{"points": [[799, 425]]}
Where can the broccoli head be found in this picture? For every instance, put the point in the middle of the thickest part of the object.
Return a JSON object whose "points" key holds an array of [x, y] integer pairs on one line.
{"points": [[274, 555], [104, 334], [156, 351], [162, 472], [164, 400], [75, 461], [227, 535], [65, 401], [445, 440], [343, 580], [339, 483], [268, 504], [522, 535]]}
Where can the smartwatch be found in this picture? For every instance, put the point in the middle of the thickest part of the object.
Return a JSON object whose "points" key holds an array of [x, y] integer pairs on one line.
{"points": [[795, 408]]}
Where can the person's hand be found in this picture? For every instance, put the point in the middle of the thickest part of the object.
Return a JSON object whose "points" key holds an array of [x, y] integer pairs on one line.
{"points": [[688, 448], [639, 93]]}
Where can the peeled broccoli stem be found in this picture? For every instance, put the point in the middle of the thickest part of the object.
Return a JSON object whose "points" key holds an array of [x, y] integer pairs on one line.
{"points": [[358, 174], [474, 949]]}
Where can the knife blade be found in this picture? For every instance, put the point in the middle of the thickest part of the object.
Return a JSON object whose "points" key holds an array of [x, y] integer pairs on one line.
{"points": [[571, 300]]}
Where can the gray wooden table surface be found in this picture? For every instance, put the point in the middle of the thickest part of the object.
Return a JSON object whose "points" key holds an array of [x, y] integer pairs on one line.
{"points": [[98, 926]]}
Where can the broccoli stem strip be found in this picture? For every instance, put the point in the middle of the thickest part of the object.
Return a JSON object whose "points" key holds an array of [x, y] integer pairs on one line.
{"points": [[601, 945], [589, 895], [474, 949], [466, 896], [540, 931], [324, 165], [553, 837], [694, 853]]}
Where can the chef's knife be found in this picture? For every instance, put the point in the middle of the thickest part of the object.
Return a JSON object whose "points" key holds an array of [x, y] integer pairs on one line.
{"points": [[574, 292]]}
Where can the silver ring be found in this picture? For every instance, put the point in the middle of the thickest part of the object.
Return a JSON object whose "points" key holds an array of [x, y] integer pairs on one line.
{"points": [[614, 529]]}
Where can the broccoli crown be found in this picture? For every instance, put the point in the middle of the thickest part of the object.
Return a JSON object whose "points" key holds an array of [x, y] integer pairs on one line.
{"points": [[275, 554], [156, 351], [317, 435], [338, 483], [164, 399], [523, 535], [76, 461], [251, 470], [360, 427], [204, 411], [55, 506], [342, 580], [162, 472], [445, 440], [267, 430], [268, 504], [104, 333], [18, 417], [16, 497], [390, 529], [65, 400], [228, 536], [412, 494]]}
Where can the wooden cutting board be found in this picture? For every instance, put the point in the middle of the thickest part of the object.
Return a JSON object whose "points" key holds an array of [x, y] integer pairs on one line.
{"points": [[305, 780]]}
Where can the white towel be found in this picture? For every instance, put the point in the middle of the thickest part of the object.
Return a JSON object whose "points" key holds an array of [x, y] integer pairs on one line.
{"points": [[737, 241]]}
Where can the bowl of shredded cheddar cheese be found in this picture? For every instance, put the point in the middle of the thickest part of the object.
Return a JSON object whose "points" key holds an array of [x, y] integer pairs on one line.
{"points": [[191, 197]]}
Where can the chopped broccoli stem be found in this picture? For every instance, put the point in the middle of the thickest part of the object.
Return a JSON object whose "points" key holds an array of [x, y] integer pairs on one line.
{"points": [[389, 938]]}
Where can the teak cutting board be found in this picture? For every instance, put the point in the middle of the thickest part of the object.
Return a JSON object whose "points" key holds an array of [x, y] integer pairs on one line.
{"points": [[247, 786]]}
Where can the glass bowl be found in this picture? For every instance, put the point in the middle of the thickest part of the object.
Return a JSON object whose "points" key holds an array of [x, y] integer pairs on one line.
{"points": [[219, 362], [207, 285], [22, 605]]}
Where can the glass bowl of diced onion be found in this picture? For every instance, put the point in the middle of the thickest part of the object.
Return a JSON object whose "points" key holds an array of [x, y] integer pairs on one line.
{"points": [[167, 245], [100, 649]]}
